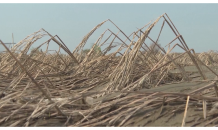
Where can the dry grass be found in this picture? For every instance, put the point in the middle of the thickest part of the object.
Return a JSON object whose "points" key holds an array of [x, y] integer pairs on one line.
{"points": [[99, 89]]}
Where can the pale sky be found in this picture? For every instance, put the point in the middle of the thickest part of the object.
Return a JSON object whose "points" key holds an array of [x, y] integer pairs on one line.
{"points": [[198, 23]]}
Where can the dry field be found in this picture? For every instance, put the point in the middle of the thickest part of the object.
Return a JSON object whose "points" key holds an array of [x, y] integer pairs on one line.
{"points": [[132, 86]]}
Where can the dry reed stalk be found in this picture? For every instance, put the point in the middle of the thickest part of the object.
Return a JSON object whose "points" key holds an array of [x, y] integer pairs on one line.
{"points": [[186, 107], [101, 89], [31, 77], [204, 109]]}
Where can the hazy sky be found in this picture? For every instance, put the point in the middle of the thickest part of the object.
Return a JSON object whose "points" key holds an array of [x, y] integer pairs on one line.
{"points": [[198, 23]]}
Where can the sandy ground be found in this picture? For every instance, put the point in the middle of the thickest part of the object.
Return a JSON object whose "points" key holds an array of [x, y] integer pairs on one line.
{"points": [[172, 115]]}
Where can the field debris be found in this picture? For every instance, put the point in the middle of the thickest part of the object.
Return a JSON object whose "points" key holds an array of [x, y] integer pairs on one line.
{"points": [[135, 85]]}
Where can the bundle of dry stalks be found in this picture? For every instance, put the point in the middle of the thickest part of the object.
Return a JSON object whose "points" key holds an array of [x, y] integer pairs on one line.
{"points": [[103, 89]]}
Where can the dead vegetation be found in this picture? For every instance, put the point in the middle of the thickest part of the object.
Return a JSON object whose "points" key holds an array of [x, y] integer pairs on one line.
{"points": [[99, 88]]}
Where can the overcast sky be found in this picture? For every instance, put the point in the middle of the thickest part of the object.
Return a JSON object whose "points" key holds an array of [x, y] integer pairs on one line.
{"points": [[198, 23]]}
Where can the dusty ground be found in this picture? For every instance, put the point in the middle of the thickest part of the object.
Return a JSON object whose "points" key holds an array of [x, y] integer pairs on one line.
{"points": [[170, 118], [172, 113]]}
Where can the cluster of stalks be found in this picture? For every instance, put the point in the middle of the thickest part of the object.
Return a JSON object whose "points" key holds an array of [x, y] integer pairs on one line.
{"points": [[98, 88]]}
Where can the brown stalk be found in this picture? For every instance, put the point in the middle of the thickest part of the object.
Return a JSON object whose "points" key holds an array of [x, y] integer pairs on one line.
{"points": [[186, 107], [37, 85]]}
